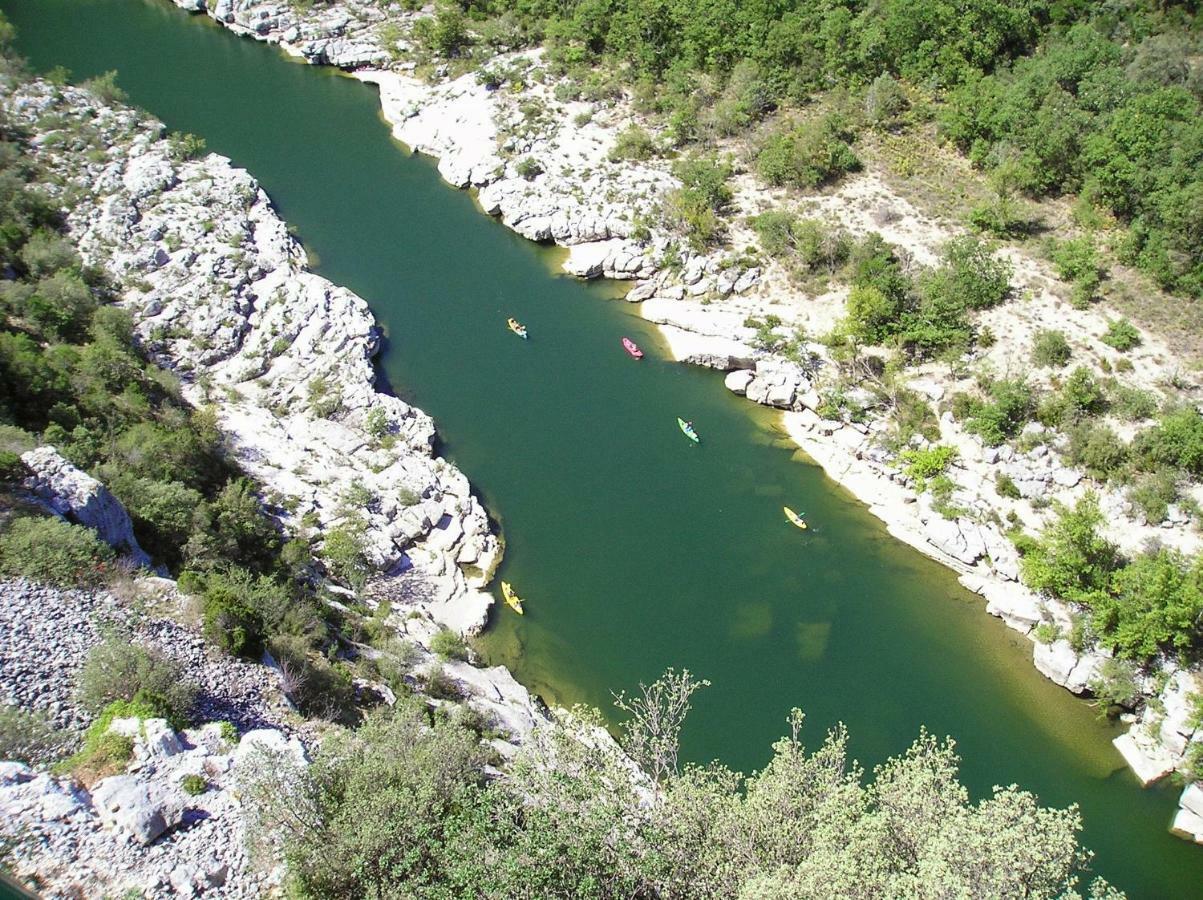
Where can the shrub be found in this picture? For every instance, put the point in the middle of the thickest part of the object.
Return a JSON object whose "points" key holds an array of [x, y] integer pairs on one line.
{"points": [[927, 463], [117, 670], [187, 146], [1177, 440], [194, 785], [445, 32], [775, 231], [633, 142], [529, 168], [1115, 687], [1005, 486], [1097, 449], [885, 101], [1008, 407], [441, 686], [1156, 605], [1152, 494], [1131, 403], [29, 737], [104, 88], [871, 315], [344, 552], [1122, 335], [448, 644], [1050, 349], [51, 550], [1071, 560], [808, 155], [695, 207]]}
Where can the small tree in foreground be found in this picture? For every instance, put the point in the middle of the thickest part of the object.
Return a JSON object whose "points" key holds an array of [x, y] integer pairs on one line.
{"points": [[652, 734]]}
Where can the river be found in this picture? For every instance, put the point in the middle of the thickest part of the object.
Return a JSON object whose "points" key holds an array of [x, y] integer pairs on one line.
{"points": [[634, 548]]}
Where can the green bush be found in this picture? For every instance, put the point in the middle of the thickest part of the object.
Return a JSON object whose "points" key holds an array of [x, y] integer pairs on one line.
{"points": [[51, 550], [529, 168], [1097, 449], [774, 228], [1005, 486], [118, 670], [1070, 560], [1152, 493], [29, 737], [633, 142], [695, 207], [1050, 349], [1156, 604], [1177, 441], [194, 785], [808, 155], [1008, 406], [927, 463], [448, 644], [1122, 335]]}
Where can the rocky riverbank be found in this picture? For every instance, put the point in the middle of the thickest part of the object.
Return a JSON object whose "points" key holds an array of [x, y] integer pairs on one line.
{"points": [[546, 168], [221, 296]]}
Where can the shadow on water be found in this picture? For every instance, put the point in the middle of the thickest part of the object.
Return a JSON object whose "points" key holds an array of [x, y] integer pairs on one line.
{"points": [[634, 548]]}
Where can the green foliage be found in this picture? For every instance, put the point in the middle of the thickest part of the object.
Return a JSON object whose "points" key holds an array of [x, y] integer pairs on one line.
{"points": [[1115, 687], [1005, 486], [194, 785], [1176, 441], [922, 464], [1070, 560], [872, 316], [104, 753], [807, 155], [1050, 349], [1152, 493], [29, 737], [404, 800], [1122, 335], [1070, 118], [633, 142], [344, 552], [448, 644], [528, 168], [104, 88], [1097, 449], [1007, 407], [1156, 603], [118, 670], [51, 550], [185, 146], [445, 33], [695, 207]]}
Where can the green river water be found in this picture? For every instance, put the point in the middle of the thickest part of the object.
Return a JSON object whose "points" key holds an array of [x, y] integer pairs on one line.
{"points": [[635, 549]]}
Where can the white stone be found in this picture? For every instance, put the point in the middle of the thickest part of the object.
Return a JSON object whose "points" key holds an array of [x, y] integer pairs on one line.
{"points": [[141, 810], [1149, 761]]}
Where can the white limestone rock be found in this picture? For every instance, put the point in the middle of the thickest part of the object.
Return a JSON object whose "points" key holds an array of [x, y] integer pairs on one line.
{"points": [[139, 809], [737, 382], [1144, 756], [77, 496]]}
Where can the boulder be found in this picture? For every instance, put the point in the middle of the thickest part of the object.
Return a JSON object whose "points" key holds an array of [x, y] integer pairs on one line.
{"points": [[141, 810], [737, 382], [1145, 757], [82, 499], [271, 741], [960, 539], [1058, 662]]}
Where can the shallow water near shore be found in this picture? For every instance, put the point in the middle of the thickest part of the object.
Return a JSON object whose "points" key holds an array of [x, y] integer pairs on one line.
{"points": [[634, 549]]}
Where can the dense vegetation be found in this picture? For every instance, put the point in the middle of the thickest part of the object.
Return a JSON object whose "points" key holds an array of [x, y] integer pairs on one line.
{"points": [[1047, 96], [403, 807]]}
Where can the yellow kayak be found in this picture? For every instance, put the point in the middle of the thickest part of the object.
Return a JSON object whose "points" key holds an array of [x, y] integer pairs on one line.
{"points": [[794, 517], [517, 327], [511, 598]]}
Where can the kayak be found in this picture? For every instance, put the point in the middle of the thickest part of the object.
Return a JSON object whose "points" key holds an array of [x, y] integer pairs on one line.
{"points": [[687, 427], [794, 517], [632, 348], [517, 327], [511, 598]]}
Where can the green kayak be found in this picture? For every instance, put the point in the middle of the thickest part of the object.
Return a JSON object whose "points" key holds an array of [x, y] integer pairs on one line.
{"points": [[687, 427]]}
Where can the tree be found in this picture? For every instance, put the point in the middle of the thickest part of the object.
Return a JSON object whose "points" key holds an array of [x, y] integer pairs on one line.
{"points": [[1071, 560], [653, 731]]}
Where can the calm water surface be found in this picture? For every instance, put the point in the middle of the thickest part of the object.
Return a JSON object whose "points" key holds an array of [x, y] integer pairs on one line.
{"points": [[635, 549]]}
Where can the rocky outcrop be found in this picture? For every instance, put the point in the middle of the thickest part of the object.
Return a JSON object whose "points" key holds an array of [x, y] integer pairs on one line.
{"points": [[141, 830], [78, 497], [220, 294], [1188, 822]]}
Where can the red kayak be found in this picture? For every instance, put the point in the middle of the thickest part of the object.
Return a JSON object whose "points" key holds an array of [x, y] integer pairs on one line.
{"points": [[631, 348]]}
